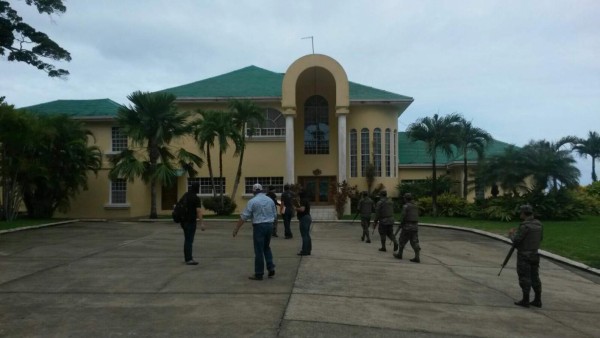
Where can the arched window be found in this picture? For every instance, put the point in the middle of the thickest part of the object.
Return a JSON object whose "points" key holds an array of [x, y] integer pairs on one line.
{"points": [[377, 151], [316, 125], [364, 151], [353, 153], [273, 126], [388, 153]]}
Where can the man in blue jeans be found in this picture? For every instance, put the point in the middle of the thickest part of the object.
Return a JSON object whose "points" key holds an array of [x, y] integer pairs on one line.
{"points": [[193, 213], [261, 210]]}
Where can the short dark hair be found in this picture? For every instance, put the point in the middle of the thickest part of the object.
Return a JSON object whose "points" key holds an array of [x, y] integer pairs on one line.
{"points": [[286, 187], [194, 187]]}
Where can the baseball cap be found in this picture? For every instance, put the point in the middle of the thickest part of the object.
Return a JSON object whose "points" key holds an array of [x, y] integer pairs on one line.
{"points": [[257, 187]]}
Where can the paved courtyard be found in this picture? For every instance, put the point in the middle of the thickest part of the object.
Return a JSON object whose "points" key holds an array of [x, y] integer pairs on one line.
{"points": [[114, 279]]}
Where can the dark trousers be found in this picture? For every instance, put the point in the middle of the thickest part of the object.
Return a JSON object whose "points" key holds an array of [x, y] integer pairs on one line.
{"points": [[261, 234], [528, 269], [275, 225], [364, 222], [305, 223], [287, 220], [387, 230], [189, 231], [409, 235]]}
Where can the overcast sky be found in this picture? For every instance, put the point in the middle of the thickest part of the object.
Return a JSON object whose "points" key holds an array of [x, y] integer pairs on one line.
{"points": [[521, 70]]}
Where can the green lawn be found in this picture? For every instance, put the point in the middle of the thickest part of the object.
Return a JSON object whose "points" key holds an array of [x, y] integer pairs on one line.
{"points": [[20, 223], [577, 240]]}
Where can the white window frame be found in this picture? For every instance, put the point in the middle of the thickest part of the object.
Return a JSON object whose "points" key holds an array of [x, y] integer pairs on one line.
{"points": [[388, 164], [377, 151], [365, 155], [265, 181], [114, 190], [206, 186], [118, 140], [353, 153]]}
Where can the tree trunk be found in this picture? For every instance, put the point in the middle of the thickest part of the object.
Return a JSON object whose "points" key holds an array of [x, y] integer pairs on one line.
{"points": [[594, 177], [465, 174], [222, 189], [238, 174], [434, 189], [210, 171]]}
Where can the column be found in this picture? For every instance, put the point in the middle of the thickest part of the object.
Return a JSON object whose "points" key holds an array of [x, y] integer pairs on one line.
{"points": [[289, 146], [341, 113]]}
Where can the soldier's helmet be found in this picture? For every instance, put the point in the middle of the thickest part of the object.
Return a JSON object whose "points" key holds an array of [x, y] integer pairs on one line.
{"points": [[365, 194], [408, 196], [383, 193], [526, 209]]}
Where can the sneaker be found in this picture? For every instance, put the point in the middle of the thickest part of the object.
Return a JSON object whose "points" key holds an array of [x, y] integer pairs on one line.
{"points": [[255, 277], [271, 273], [191, 262]]}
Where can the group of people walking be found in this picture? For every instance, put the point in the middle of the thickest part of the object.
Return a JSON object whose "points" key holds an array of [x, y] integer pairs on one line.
{"points": [[261, 210]]}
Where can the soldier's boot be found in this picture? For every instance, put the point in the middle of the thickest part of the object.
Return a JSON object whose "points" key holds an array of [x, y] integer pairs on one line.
{"points": [[395, 245], [525, 301], [382, 245], [537, 300], [399, 253], [417, 258], [367, 237]]}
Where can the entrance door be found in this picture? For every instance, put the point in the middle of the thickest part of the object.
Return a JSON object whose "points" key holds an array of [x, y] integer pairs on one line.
{"points": [[168, 197], [318, 188]]}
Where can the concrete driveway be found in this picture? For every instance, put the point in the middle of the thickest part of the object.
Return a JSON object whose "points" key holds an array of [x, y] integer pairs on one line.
{"points": [[119, 279]]}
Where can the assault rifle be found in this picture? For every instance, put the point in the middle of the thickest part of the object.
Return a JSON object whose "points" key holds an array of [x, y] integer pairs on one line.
{"points": [[510, 252]]}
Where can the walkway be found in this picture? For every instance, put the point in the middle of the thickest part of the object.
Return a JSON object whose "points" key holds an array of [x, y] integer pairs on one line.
{"points": [[127, 279]]}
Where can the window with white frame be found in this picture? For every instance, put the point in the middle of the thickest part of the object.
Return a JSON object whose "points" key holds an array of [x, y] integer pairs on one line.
{"points": [[377, 151], [388, 168], [364, 151], [273, 126], [266, 182], [206, 185], [119, 139], [118, 191], [353, 153], [395, 153]]}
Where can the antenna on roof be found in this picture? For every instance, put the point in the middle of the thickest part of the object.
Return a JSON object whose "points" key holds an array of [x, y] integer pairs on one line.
{"points": [[312, 42]]}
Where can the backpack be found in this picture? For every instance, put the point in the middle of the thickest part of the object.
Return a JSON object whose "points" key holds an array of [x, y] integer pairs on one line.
{"points": [[180, 210]]}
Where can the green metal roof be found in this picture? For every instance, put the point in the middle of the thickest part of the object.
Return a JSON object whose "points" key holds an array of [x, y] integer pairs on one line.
{"points": [[414, 153], [77, 108], [254, 81]]}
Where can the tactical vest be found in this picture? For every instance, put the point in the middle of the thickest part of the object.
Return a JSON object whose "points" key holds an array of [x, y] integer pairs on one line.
{"points": [[531, 242], [411, 213], [385, 211], [366, 207]]}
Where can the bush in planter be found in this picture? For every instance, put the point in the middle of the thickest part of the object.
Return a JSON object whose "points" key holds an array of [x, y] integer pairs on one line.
{"points": [[214, 204]]}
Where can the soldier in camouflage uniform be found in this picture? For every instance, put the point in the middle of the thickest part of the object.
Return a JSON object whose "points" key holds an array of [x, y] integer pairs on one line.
{"points": [[384, 217], [526, 239], [409, 222], [365, 208]]}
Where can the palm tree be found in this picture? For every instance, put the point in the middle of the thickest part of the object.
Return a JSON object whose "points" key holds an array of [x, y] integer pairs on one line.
{"points": [[244, 112], [508, 170], [438, 133], [152, 122], [589, 146], [547, 163], [216, 127], [471, 138]]}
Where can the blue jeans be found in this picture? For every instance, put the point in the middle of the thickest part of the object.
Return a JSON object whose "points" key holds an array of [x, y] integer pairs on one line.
{"points": [[189, 231], [261, 234], [305, 222]]}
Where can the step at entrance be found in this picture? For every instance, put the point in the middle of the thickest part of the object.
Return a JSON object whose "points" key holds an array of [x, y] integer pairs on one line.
{"points": [[323, 213]]}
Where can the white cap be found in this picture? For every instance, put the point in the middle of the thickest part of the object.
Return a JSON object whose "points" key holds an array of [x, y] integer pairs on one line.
{"points": [[257, 187]]}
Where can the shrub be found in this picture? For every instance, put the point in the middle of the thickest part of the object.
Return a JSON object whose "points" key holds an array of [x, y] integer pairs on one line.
{"points": [[424, 188], [214, 204], [341, 192], [451, 205], [593, 189]]}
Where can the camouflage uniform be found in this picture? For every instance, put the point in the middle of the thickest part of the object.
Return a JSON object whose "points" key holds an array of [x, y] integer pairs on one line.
{"points": [[365, 208], [409, 221], [384, 217], [527, 241]]}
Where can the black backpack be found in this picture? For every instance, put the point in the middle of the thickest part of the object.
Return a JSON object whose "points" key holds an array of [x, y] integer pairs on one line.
{"points": [[180, 210]]}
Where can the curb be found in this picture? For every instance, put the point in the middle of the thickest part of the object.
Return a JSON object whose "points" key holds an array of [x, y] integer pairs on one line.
{"points": [[542, 253], [38, 226]]}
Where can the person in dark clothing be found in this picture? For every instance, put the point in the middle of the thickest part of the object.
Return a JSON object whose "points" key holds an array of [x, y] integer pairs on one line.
{"points": [[527, 239], [365, 209], [273, 196], [192, 215], [303, 214], [409, 223], [384, 217], [287, 204]]}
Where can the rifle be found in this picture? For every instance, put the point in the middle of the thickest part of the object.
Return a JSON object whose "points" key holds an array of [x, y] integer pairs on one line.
{"points": [[374, 226], [510, 252], [398, 230], [354, 219]]}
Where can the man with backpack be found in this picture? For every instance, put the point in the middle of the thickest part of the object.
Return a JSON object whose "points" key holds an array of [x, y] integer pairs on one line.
{"points": [[191, 213]]}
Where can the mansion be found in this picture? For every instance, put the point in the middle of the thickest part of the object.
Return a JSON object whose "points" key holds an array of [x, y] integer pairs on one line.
{"points": [[320, 129]]}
